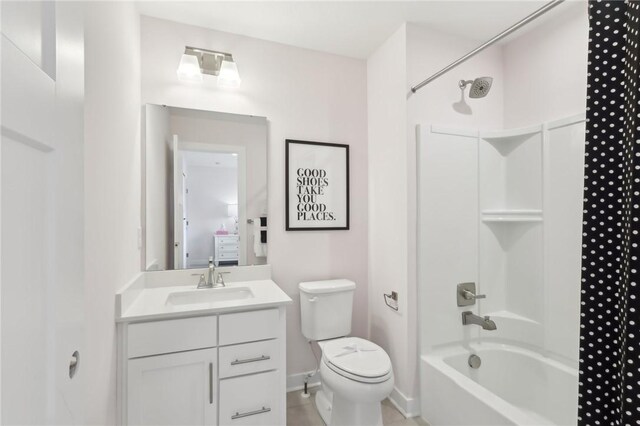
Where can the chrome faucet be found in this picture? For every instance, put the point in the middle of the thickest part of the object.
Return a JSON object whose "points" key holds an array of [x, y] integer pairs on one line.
{"points": [[207, 282], [469, 317], [212, 271]]}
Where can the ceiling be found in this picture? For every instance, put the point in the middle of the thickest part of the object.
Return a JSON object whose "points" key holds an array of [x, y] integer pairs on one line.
{"points": [[349, 28]]}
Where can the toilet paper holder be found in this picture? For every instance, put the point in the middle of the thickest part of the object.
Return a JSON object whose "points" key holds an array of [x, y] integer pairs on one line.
{"points": [[391, 300]]}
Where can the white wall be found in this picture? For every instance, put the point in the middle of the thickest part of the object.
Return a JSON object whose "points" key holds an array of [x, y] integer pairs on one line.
{"points": [[406, 58], [442, 103], [304, 95], [158, 164], [439, 102], [545, 69], [388, 248], [112, 188]]}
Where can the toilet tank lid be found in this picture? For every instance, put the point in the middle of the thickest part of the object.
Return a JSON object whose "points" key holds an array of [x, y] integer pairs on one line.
{"points": [[327, 286]]}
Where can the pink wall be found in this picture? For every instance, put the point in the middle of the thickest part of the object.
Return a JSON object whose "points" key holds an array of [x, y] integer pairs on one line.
{"points": [[545, 69], [304, 95]]}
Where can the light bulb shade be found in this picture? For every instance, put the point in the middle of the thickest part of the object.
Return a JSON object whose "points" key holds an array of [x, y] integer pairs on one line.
{"points": [[229, 76], [189, 68], [232, 210]]}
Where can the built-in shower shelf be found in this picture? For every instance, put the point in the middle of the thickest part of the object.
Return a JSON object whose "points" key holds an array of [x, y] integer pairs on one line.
{"points": [[511, 316], [510, 134], [511, 215]]}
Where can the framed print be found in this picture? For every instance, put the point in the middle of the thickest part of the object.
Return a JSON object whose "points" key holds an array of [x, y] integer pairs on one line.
{"points": [[317, 186]]}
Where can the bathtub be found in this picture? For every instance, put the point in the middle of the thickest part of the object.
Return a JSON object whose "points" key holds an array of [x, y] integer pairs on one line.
{"points": [[513, 386]]}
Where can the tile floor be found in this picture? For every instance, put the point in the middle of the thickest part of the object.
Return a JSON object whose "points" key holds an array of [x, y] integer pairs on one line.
{"points": [[302, 412]]}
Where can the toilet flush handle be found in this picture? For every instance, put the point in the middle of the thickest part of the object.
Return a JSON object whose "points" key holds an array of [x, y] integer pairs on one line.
{"points": [[313, 299]]}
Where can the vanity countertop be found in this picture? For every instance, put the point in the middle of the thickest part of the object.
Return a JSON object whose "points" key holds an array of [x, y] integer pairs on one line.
{"points": [[144, 299]]}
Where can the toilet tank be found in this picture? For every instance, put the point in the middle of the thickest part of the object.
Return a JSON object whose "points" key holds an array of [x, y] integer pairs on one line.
{"points": [[325, 308]]}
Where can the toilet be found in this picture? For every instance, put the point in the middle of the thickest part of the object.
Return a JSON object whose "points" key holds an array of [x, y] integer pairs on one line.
{"points": [[356, 374]]}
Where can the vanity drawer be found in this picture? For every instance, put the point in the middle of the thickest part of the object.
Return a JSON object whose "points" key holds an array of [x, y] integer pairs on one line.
{"points": [[248, 358], [161, 337], [228, 255], [251, 400], [250, 326], [229, 247], [231, 239]]}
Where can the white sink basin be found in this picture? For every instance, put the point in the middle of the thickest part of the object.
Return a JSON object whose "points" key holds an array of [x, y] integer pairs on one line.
{"points": [[210, 295]]}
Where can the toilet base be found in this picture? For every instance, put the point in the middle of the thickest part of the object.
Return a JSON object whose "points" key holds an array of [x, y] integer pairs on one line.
{"points": [[323, 404], [347, 413]]}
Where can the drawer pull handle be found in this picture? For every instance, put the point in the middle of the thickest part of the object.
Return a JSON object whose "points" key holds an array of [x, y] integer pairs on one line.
{"points": [[250, 413], [246, 361], [210, 383]]}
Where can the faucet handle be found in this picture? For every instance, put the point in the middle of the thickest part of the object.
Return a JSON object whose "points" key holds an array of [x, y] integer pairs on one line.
{"points": [[202, 282], [220, 277]]}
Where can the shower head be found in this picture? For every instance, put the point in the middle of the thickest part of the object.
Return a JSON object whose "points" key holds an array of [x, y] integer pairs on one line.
{"points": [[479, 87]]}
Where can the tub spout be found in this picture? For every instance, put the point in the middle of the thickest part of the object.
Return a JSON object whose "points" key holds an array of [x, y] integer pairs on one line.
{"points": [[469, 317]]}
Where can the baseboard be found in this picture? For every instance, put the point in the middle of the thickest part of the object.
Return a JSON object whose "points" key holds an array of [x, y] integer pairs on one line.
{"points": [[296, 381], [408, 407]]}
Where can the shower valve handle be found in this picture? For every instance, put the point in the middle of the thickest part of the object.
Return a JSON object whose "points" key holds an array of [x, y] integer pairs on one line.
{"points": [[471, 296], [466, 294]]}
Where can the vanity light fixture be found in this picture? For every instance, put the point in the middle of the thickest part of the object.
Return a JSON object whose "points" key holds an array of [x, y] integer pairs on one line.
{"points": [[195, 62], [189, 69], [229, 76]]}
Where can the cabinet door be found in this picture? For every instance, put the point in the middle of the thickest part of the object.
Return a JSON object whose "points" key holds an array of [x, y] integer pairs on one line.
{"points": [[173, 389]]}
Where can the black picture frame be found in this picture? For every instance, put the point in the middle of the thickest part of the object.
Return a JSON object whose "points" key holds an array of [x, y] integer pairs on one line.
{"points": [[332, 179]]}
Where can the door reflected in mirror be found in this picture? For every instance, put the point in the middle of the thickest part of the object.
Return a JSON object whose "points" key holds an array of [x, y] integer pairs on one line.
{"points": [[205, 189]]}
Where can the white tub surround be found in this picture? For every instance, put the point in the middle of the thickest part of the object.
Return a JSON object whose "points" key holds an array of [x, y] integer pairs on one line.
{"points": [[202, 356], [502, 209], [512, 386]]}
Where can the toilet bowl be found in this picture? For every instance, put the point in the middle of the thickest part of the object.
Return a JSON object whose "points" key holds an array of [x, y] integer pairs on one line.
{"points": [[356, 376]]}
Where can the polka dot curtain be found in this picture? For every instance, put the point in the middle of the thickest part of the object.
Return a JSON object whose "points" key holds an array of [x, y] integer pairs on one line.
{"points": [[609, 389]]}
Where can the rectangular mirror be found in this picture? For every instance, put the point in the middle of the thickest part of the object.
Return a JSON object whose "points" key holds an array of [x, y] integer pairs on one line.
{"points": [[204, 189]]}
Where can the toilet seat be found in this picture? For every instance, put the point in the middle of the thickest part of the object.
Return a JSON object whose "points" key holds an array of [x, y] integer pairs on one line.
{"points": [[357, 359]]}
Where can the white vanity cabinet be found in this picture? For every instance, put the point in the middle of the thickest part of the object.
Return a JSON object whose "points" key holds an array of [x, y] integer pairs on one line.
{"points": [[173, 389], [219, 369]]}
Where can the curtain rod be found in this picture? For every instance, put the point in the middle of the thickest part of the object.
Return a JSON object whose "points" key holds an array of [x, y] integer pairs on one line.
{"points": [[483, 46]]}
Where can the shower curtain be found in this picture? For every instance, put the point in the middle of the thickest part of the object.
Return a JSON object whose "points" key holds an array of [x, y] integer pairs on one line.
{"points": [[609, 390]]}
